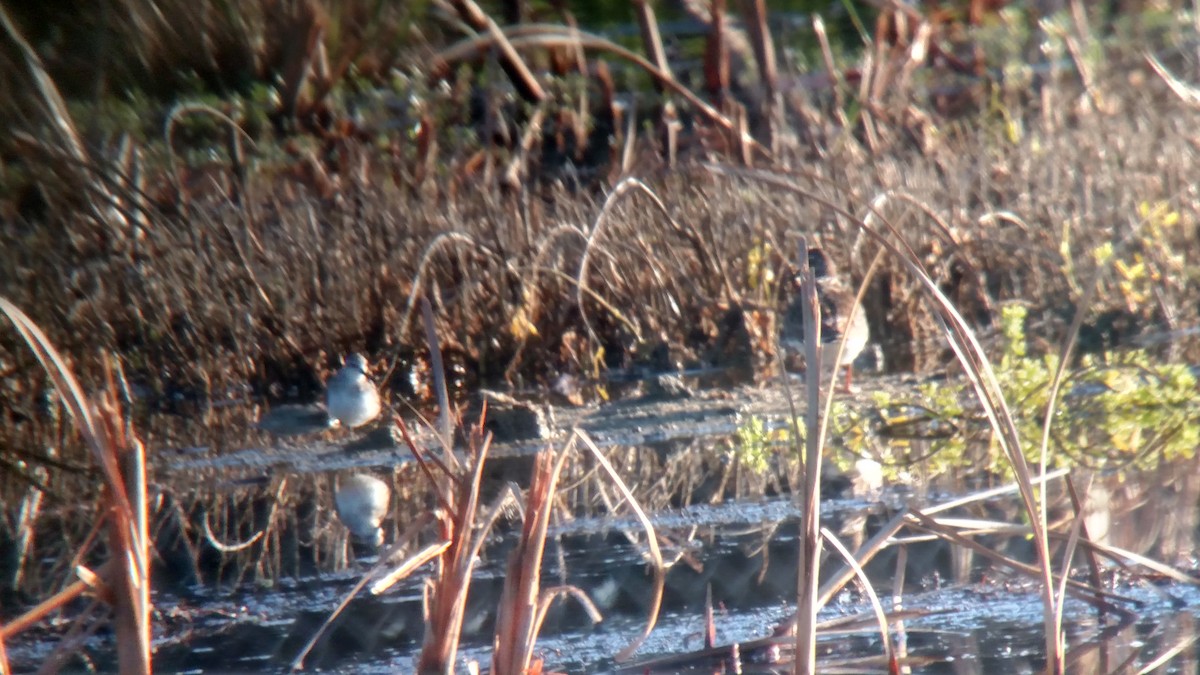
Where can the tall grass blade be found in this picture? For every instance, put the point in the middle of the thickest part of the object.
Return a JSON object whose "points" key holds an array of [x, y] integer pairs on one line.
{"points": [[652, 39], [876, 606], [411, 564], [656, 559], [122, 461], [52, 100], [978, 370], [512, 63], [555, 36], [445, 420], [814, 437], [520, 604]]}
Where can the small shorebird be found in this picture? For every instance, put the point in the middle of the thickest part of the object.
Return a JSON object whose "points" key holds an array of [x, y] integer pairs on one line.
{"points": [[362, 503], [837, 306], [350, 397]]}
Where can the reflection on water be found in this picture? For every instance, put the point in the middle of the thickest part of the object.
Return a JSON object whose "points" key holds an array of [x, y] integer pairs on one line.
{"points": [[987, 621], [712, 519]]}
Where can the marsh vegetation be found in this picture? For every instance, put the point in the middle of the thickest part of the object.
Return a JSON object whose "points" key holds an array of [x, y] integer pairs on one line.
{"points": [[208, 216]]}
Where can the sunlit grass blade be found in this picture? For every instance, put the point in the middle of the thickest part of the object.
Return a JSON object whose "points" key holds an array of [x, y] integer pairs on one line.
{"points": [[121, 457]]}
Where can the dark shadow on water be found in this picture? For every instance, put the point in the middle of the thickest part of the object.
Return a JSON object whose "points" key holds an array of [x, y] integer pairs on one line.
{"points": [[988, 622], [979, 618]]}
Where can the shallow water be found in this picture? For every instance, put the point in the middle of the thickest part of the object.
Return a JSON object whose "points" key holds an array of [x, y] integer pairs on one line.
{"points": [[988, 623], [976, 617]]}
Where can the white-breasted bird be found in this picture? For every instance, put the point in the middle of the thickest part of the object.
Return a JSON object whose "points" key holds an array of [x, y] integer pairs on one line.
{"points": [[351, 397]]}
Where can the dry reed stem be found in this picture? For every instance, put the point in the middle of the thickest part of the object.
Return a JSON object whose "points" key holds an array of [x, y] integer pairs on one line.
{"points": [[710, 625], [899, 577], [130, 175], [814, 438], [629, 186], [870, 72], [835, 76], [89, 620], [982, 495], [100, 188], [866, 552], [1123, 556], [122, 460], [583, 110], [629, 147], [27, 515], [1089, 554], [52, 604], [215, 541], [841, 343], [976, 367], [1120, 557], [132, 542], [554, 36], [416, 560], [917, 54], [946, 532], [1064, 358], [447, 594], [880, 616], [656, 559], [1187, 93], [519, 617], [304, 25], [755, 13], [423, 463], [877, 68], [52, 100], [326, 78], [445, 426], [236, 136], [716, 54], [106, 209], [1166, 657], [410, 565], [516, 166], [1068, 555], [652, 41], [512, 63]]}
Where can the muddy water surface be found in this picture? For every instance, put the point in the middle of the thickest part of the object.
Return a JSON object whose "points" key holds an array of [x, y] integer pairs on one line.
{"points": [[968, 614]]}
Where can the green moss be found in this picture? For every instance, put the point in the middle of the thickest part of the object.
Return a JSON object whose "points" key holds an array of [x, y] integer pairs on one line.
{"points": [[755, 440], [753, 444], [1122, 410]]}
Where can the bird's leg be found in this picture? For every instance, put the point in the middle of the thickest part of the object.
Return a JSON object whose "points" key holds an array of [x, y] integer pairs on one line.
{"points": [[849, 372]]}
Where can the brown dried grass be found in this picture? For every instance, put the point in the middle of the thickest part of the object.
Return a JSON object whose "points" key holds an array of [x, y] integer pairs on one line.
{"points": [[260, 282], [123, 580]]}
